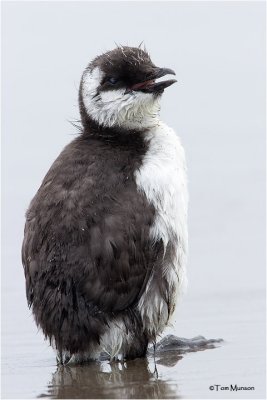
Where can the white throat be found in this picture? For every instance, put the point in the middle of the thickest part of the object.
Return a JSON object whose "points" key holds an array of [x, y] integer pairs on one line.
{"points": [[136, 109]]}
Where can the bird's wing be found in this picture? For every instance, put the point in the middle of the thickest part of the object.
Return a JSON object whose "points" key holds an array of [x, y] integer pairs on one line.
{"points": [[108, 257], [94, 233], [121, 257]]}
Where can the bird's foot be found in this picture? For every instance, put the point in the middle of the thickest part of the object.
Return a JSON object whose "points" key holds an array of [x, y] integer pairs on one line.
{"points": [[63, 357], [171, 349], [183, 345]]}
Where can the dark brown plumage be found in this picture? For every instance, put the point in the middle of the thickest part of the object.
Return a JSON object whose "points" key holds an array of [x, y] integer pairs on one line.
{"points": [[86, 250]]}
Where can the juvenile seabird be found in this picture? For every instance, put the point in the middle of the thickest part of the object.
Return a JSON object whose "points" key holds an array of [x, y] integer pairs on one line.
{"points": [[105, 242]]}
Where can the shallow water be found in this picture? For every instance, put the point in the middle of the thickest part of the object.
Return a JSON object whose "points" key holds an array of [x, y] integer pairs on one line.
{"points": [[29, 367]]}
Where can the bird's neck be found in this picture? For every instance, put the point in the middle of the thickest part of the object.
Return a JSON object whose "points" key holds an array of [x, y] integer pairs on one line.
{"points": [[141, 122], [117, 134], [134, 122]]}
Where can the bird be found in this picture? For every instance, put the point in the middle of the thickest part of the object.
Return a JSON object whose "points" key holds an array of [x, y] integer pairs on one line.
{"points": [[105, 239]]}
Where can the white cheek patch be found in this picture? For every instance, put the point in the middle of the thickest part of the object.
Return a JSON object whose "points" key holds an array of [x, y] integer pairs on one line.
{"points": [[116, 107], [90, 82], [112, 95]]}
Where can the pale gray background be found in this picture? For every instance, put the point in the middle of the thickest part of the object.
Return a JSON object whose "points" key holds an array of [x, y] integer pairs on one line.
{"points": [[217, 107]]}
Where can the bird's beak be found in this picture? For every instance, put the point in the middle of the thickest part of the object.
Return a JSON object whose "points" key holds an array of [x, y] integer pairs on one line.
{"points": [[151, 86]]}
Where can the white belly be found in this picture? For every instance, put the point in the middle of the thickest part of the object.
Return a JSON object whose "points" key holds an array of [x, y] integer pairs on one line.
{"points": [[162, 178]]}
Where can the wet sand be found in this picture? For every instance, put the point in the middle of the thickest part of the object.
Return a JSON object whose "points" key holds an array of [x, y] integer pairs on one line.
{"points": [[29, 367]]}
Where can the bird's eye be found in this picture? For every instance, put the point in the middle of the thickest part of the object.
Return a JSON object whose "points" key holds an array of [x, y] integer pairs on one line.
{"points": [[113, 80]]}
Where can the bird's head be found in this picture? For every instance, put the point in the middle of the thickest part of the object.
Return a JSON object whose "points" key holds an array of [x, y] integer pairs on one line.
{"points": [[120, 89]]}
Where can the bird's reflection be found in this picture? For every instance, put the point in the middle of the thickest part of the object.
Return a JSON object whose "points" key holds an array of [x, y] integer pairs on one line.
{"points": [[132, 379], [96, 380]]}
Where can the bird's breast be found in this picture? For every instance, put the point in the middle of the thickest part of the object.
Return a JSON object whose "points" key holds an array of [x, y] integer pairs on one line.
{"points": [[162, 178]]}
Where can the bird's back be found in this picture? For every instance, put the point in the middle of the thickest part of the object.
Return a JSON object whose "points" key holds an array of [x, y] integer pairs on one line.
{"points": [[87, 251]]}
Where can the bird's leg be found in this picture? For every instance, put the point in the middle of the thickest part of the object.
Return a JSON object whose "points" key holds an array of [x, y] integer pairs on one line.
{"points": [[59, 357], [155, 364], [63, 357]]}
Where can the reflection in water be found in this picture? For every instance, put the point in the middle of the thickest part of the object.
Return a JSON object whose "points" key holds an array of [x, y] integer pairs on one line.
{"points": [[132, 379], [103, 380]]}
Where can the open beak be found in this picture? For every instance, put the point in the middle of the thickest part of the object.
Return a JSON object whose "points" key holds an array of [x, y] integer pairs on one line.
{"points": [[151, 86]]}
